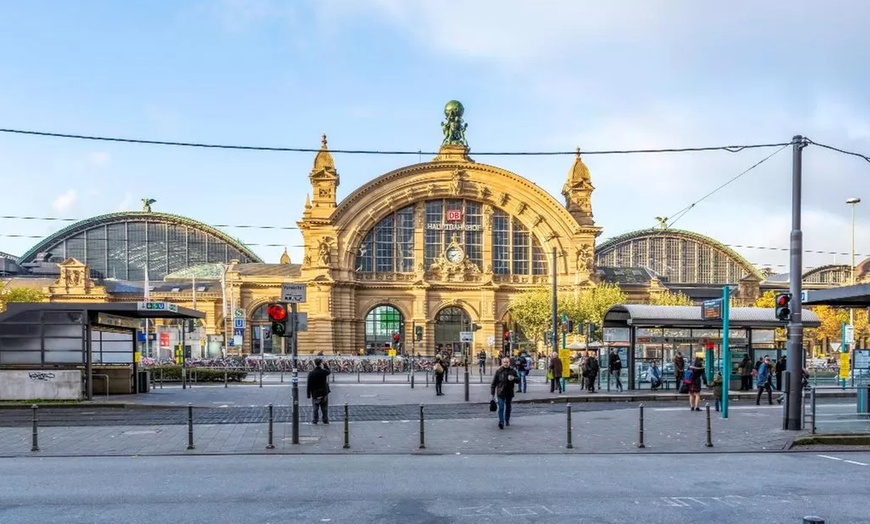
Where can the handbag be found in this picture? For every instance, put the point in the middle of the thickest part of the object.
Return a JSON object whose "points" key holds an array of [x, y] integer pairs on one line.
{"points": [[492, 405], [550, 375], [684, 388]]}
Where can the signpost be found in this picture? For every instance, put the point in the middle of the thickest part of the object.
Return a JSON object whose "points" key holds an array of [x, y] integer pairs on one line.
{"points": [[294, 294], [719, 310]]}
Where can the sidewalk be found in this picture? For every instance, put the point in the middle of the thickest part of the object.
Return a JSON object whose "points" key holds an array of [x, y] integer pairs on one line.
{"points": [[667, 429]]}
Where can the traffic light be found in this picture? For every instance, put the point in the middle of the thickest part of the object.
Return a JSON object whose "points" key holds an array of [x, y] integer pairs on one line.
{"points": [[580, 328], [396, 338], [783, 311], [418, 333], [593, 328], [280, 319], [507, 340], [570, 326]]}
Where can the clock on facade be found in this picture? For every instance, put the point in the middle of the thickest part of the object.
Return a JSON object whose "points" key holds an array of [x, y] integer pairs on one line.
{"points": [[454, 254]]}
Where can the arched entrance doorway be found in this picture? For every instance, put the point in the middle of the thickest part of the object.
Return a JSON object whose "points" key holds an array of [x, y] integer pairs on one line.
{"points": [[382, 323], [261, 332], [448, 323]]}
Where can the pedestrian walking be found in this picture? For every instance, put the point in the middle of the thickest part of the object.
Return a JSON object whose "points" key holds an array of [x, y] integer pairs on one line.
{"points": [[481, 362], [679, 367], [614, 367], [440, 371], [502, 390], [555, 372], [763, 379], [318, 390]]}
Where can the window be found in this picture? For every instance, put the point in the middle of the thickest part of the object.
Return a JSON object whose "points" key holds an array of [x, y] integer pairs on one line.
{"points": [[389, 246], [382, 322]]}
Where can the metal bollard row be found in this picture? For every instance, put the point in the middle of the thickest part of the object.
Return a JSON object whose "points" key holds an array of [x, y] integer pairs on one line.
{"points": [[570, 436], [640, 443], [709, 443]]}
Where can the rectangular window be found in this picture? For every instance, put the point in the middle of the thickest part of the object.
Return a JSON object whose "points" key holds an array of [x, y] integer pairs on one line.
{"points": [[384, 246], [474, 239], [365, 255], [500, 243], [96, 251], [521, 249], [117, 251], [157, 264], [405, 240], [137, 250], [539, 260], [175, 237], [434, 238]]}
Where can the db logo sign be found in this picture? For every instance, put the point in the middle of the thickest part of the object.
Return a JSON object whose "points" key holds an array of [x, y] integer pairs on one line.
{"points": [[454, 215]]}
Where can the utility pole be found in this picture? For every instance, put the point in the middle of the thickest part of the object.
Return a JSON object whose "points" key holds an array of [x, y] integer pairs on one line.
{"points": [[794, 420]]}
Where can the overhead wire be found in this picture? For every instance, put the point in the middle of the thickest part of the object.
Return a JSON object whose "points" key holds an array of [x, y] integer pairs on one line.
{"points": [[48, 134], [838, 150]]}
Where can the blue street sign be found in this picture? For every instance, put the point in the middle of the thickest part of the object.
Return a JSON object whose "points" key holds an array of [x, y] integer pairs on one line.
{"points": [[239, 323]]}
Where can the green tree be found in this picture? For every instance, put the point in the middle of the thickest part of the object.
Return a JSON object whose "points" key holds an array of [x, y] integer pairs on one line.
{"points": [[767, 299], [19, 294], [668, 298], [532, 309]]}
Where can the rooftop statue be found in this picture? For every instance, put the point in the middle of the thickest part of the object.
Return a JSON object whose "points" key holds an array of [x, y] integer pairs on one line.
{"points": [[146, 204], [454, 127]]}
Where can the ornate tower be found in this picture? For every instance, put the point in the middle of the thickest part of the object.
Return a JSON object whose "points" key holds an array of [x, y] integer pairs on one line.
{"points": [[578, 192], [324, 183]]}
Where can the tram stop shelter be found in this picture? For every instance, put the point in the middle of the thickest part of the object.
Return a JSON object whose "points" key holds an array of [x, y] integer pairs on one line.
{"points": [[57, 350], [845, 296], [644, 334]]}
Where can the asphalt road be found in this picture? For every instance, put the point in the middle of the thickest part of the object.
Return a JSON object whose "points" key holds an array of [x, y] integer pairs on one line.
{"points": [[757, 488]]}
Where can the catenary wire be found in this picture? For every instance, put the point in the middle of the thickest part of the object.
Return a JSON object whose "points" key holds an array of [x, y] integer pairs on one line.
{"points": [[681, 213], [730, 149], [838, 150]]}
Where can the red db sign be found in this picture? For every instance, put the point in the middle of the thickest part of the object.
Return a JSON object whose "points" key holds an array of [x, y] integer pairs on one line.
{"points": [[454, 215]]}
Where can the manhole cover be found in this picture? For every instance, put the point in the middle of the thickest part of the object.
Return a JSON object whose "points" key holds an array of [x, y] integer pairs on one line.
{"points": [[142, 432]]}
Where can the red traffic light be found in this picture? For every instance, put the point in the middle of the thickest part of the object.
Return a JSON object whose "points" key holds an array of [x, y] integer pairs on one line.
{"points": [[395, 337], [782, 300], [276, 312]]}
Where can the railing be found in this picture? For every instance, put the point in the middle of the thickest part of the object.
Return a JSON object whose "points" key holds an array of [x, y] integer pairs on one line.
{"points": [[827, 414]]}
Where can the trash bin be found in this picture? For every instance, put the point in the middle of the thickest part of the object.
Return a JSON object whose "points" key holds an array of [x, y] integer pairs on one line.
{"points": [[143, 381], [863, 399]]}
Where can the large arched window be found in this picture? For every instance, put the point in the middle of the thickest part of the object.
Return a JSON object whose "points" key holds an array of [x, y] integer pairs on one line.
{"points": [[514, 249], [389, 246], [382, 322], [449, 322]]}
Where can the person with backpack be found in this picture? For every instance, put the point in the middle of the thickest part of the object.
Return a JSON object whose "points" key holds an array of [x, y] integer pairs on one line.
{"points": [[522, 368], [763, 381], [439, 375]]}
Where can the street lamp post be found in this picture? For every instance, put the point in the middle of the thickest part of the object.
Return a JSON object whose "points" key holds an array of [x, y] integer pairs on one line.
{"points": [[854, 201]]}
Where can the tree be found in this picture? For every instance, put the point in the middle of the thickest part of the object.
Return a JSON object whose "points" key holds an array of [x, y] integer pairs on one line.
{"points": [[532, 310], [19, 294], [768, 299], [667, 298]]}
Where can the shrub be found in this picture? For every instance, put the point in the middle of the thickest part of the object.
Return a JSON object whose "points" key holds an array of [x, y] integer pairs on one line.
{"points": [[173, 374]]}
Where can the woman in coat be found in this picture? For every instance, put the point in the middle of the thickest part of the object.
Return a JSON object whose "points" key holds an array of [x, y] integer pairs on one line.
{"points": [[697, 369]]}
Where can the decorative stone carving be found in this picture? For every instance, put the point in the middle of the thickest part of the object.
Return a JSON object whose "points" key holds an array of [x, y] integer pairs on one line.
{"points": [[487, 216], [538, 219], [457, 182], [482, 192], [432, 188], [521, 208], [583, 257], [503, 198], [454, 128], [146, 204]]}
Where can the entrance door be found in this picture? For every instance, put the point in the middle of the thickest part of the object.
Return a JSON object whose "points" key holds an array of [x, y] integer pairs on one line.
{"points": [[448, 323]]}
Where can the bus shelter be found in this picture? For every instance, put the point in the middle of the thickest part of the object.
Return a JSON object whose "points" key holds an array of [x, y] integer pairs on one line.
{"points": [[857, 296], [97, 338], [645, 334]]}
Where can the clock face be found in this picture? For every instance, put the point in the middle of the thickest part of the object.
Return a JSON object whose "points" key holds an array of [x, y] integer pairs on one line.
{"points": [[454, 254]]}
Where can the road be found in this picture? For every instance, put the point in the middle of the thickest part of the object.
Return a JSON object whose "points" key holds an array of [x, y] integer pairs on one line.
{"points": [[758, 488]]}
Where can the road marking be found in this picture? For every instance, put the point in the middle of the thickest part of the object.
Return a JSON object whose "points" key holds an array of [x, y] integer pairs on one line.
{"points": [[855, 462], [829, 457]]}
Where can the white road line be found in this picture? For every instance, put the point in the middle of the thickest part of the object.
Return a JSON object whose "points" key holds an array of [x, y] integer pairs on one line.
{"points": [[829, 457], [855, 462]]}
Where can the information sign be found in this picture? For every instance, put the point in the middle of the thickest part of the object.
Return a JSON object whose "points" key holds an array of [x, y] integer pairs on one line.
{"points": [[293, 293], [466, 336]]}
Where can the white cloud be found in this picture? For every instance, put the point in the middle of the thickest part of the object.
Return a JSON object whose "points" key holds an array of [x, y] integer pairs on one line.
{"points": [[64, 201], [99, 159]]}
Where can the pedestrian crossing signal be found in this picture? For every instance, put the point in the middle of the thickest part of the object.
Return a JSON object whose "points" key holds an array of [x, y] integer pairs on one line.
{"points": [[782, 311], [279, 317]]}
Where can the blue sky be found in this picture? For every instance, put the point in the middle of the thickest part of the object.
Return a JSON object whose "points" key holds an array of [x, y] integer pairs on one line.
{"points": [[545, 75]]}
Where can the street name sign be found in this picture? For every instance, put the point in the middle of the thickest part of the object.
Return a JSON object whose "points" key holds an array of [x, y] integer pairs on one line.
{"points": [[293, 293]]}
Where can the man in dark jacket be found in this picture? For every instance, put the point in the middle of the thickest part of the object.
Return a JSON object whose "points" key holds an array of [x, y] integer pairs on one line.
{"points": [[502, 389], [614, 365], [318, 390]]}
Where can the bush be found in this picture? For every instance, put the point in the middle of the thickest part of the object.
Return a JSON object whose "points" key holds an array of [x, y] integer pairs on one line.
{"points": [[173, 374]]}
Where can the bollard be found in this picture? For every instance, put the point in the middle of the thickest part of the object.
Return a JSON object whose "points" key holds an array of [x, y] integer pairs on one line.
{"points": [[467, 392], [357, 375], [384, 376], [190, 426], [270, 445], [813, 520], [35, 445], [412, 379], [427, 378], [570, 443], [813, 409], [282, 373], [709, 443], [161, 378], [422, 430], [346, 428], [640, 443], [226, 378]]}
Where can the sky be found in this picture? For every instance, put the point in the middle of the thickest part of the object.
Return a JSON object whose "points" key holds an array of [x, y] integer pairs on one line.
{"points": [[549, 75]]}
